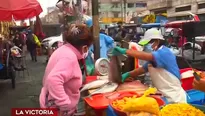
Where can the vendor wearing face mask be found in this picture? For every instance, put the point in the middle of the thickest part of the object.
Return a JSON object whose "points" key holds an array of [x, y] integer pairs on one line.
{"points": [[161, 65], [63, 76]]}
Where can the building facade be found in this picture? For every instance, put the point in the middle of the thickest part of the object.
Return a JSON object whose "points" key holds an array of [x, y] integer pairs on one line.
{"points": [[120, 10], [52, 16], [177, 9]]}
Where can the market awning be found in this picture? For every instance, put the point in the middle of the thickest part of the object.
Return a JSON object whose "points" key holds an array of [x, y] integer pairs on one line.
{"points": [[19, 9]]}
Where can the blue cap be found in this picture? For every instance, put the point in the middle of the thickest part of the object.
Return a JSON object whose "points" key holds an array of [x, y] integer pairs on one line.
{"points": [[89, 22]]}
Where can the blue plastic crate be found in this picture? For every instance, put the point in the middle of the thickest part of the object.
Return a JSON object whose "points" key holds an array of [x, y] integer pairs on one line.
{"points": [[196, 97], [200, 107]]}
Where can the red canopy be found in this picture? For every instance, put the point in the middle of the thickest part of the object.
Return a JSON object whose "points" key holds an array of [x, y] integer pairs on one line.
{"points": [[177, 24], [19, 9]]}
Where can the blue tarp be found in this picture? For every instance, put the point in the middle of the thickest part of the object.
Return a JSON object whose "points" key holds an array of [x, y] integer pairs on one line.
{"points": [[106, 42], [150, 25], [161, 19]]}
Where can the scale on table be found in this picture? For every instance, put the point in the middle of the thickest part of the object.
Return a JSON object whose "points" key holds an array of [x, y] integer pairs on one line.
{"points": [[102, 66]]}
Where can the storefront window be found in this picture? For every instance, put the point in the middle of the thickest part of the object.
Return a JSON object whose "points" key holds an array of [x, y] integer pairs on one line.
{"points": [[141, 5], [116, 14], [115, 5], [185, 8], [130, 5], [201, 6], [160, 11]]}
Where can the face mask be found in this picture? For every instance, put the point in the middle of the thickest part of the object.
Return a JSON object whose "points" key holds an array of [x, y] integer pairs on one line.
{"points": [[155, 47], [148, 48], [85, 55]]}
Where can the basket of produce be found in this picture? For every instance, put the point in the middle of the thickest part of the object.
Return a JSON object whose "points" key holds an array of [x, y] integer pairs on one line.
{"points": [[138, 105], [147, 105]]}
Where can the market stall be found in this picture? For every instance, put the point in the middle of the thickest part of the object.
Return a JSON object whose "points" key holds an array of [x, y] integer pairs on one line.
{"points": [[104, 95], [10, 11], [108, 97], [112, 103], [4, 28]]}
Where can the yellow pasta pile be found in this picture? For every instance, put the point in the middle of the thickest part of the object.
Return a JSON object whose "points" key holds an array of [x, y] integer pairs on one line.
{"points": [[180, 110], [138, 104], [145, 104], [119, 104], [149, 91]]}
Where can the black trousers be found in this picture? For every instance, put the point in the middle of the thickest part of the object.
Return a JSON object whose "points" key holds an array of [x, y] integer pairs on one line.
{"points": [[33, 54]]}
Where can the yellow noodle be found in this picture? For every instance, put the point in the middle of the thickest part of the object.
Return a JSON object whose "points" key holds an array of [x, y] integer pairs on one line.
{"points": [[181, 109]]}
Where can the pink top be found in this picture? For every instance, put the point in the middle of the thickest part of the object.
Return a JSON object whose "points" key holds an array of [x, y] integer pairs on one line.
{"points": [[63, 79]]}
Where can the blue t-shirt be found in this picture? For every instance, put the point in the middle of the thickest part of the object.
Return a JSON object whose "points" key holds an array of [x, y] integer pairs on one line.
{"points": [[164, 58]]}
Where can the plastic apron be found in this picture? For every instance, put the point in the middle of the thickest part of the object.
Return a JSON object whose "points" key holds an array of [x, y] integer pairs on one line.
{"points": [[90, 65], [168, 84]]}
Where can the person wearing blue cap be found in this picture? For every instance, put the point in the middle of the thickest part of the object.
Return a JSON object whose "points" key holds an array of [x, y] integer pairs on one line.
{"points": [[161, 65], [89, 22]]}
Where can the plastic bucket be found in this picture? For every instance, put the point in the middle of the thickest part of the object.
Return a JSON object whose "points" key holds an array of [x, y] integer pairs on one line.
{"points": [[187, 82]]}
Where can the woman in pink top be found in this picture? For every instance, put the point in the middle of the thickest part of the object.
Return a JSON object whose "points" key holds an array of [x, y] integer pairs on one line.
{"points": [[63, 75]]}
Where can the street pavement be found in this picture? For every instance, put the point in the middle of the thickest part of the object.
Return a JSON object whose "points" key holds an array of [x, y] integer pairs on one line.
{"points": [[26, 93]]}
